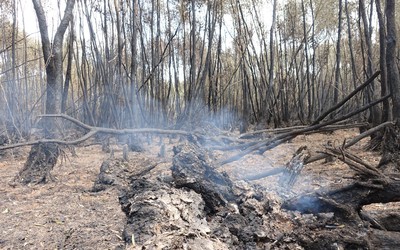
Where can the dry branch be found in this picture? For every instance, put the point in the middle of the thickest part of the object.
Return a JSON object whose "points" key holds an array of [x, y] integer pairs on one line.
{"points": [[341, 103], [354, 162], [289, 129], [320, 156], [92, 131], [264, 145]]}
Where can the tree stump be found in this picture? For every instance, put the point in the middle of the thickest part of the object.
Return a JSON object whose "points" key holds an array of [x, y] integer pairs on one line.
{"points": [[390, 160], [41, 160]]}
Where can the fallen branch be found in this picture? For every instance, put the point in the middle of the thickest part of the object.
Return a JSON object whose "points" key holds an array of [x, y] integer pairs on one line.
{"points": [[289, 129], [264, 145], [92, 131], [320, 156], [354, 162], [352, 141], [341, 103]]}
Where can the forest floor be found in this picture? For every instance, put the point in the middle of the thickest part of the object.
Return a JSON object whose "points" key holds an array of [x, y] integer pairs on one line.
{"points": [[66, 214]]}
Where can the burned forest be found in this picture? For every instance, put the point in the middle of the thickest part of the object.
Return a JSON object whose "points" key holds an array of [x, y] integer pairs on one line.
{"points": [[199, 124]]}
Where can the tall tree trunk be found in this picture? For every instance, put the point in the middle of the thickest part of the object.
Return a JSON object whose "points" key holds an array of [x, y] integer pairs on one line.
{"points": [[271, 56], [43, 157], [68, 72], [382, 61], [391, 52], [337, 70], [391, 142], [374, 114], [352, 60], [52, 53], [305, 38]]}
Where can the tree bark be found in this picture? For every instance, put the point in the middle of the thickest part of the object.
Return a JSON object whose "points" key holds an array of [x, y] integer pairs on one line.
{"points": [[52, 52], [43, 157], [391, 52], [338, 56], [382, 60]]}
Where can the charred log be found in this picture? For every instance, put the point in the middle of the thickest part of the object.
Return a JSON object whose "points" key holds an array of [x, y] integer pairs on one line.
{"points": [[383, 216], [118, 172], [191, 169], [158, 214], [202, 209]]}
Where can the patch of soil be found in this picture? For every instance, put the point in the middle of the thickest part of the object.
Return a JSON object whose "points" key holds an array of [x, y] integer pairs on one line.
{"points": [[62, 214]]}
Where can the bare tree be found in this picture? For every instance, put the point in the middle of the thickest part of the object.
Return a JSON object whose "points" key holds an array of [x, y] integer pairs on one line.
{"points": [[42, 158], [391, 52], [391, 142], [338, 56], [52, 52], [374, 114], [382, 60]]}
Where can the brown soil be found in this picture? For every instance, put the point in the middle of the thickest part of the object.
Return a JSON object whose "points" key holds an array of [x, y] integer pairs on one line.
{"points": [[66, 214], [63, 214]]}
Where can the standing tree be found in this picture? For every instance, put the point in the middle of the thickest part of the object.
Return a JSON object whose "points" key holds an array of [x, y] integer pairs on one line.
{"points": [[43, 157], [382, 60], [391, 52], [52, 53], [391, 142], [338, 56]]}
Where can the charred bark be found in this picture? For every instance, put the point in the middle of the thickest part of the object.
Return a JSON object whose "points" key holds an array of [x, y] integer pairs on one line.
{"points": [[43, 157], [192, 169], [374, 185], [41, 160], [202, 209], [391, 147]]}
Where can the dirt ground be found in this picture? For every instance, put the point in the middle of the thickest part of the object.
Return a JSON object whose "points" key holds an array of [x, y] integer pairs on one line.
{"points": [[65, 214]]}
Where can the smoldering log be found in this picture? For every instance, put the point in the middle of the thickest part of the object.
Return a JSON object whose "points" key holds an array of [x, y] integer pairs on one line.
{"points": [[161, 215], [202, 209], [192, 169], [353, 197], [118, 172]]}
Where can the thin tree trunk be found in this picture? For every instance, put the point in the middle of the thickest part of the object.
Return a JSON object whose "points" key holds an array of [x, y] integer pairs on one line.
{"points": [[352, 60], [374, 113], [52, 53], [68, 72], [338, 56], [305, 38], [391, 52], [382, 60]]}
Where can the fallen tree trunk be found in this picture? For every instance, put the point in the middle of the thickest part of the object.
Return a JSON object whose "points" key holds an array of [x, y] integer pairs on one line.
{"points": [[350, 198], [265, 145], [372, 186], [320, 156], [202, 209], [328, 128], [192, 169], [237, 215], [348, 97]]}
